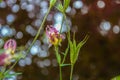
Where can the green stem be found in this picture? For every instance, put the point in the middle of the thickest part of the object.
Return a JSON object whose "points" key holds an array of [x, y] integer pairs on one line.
{"points": [[56, 54], [60, 72], [65, 55], [71, 73], [61, 27], [12, 66], [33, 40], [68, 36], [59, 61], [38, 33]]}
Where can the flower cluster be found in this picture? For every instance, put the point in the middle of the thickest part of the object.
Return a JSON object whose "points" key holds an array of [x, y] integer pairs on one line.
{"points": [[7, 55], [53, 35]]}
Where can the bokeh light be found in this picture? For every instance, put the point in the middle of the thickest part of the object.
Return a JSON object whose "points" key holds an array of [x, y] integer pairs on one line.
{"points": [[10, 18], [101, 4], [78, 4], [116, 29]]}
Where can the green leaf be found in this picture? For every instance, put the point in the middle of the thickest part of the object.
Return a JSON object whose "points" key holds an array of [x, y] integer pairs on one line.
{"points": [[71, 51], [62, 65], [58, 58], [57, 55], [19, 55], [60, 7], [74, 45], [79, 47], [74, 48], [65, 54], [52, 2], [116, 78], [66, 51], [66, 4], [2, 51]]}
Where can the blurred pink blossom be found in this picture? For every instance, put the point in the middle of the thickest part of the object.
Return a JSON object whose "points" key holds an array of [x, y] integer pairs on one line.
{"points": [[5, 58]]}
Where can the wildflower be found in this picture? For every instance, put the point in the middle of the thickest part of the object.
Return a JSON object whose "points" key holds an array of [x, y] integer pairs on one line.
{"points": [[9, 48], [53, 35]]}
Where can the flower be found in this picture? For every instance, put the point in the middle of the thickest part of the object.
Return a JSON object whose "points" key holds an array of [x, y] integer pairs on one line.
{"points": [[9, 48], [53, 35]]}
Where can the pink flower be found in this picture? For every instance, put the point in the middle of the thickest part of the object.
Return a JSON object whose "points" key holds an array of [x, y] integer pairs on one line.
{"points": [[2, 58], [9, 47], [53, 35]]}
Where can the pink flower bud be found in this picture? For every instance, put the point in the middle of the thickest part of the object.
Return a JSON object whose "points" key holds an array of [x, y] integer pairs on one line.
{"points": [[10, 44], [5, 58]]}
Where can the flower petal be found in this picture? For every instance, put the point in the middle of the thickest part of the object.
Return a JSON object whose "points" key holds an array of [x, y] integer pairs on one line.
{"points": [[10, 44]]}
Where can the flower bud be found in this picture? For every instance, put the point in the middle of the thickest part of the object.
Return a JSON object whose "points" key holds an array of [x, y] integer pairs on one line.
{"points": [[53, 35]]}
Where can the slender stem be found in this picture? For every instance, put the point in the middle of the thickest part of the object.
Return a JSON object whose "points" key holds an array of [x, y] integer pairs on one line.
{"points": [[56, 54], [33, 40], [68, 35], [65, 55], [12, 66], [38, 33], [71, 73], [59, 62], [61, 27], [60, 72]]}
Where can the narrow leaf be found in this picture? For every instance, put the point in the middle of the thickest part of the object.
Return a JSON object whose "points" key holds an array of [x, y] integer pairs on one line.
{"points": [[71, 52], [59, 58], [57, 55], [66, 51], [52, 2], [82, 43], [74, 48], [62, 65], [66, 4], [79, 47], [74, 45], [65, 54], [60, 7]]}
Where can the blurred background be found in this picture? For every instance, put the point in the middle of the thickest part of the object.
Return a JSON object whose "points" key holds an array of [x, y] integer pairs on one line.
{"points": [[99, 59]]}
